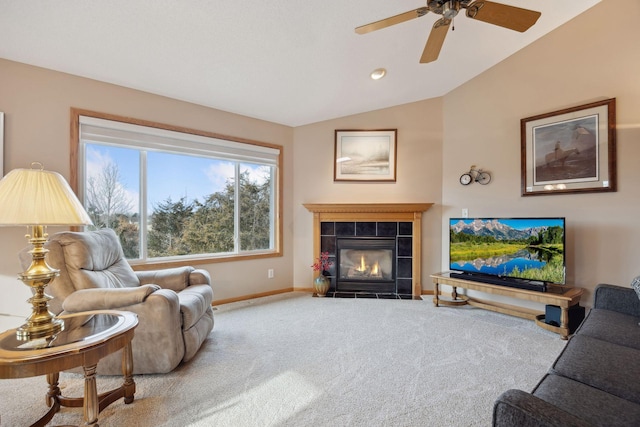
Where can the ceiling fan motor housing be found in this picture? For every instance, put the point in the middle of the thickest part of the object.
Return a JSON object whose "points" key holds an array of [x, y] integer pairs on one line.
{"points": [[447, 8]]}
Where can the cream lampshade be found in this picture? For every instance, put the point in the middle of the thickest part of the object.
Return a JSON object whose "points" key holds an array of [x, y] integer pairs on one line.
{"points": [[37, 198]]}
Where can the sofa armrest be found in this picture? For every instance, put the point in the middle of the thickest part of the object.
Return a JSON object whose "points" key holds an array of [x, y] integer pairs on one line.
{"points": [[617, 298], [106, 299], [518, 408]]}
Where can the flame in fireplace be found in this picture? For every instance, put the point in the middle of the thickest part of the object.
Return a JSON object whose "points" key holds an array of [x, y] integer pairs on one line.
{"points": [[363, 266], [375, 270]]}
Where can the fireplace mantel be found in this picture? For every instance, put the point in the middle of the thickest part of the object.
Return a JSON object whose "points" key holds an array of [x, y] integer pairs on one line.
{"points": [[373, 212], [367, 208]]}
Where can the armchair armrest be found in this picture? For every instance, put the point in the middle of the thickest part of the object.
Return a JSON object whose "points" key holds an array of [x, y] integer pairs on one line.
{"points": [[617, 298], [106, 299], [199, 276], [176, 279], [518, 408]]}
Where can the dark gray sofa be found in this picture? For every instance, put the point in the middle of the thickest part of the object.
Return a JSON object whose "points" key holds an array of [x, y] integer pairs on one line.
{"points": [[596, 379]]}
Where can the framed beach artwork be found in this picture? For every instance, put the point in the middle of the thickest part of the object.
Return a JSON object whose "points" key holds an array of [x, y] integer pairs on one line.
{"points": [[365, 155], [570, 151]]}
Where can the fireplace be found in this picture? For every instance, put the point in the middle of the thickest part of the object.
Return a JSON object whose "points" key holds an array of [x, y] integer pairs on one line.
{"points": [[370, 258], [366, 264], [380, 223]]}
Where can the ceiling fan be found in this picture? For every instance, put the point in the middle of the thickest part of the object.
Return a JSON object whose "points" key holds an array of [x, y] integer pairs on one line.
{"points": [[511, 17]]}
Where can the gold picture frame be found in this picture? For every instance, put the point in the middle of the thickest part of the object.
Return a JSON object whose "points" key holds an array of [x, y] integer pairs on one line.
{"points": [[570, 151], [365, 155]]}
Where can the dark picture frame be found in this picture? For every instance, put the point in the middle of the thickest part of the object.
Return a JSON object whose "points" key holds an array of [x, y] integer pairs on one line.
{"points": [[365, 155], [570, 151]]}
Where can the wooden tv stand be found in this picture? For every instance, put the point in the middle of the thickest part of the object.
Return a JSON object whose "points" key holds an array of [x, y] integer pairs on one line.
{"points": [[561, 296]]}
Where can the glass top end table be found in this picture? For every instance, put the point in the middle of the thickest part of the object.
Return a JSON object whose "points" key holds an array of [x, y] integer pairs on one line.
{"points": [[84, 340]]}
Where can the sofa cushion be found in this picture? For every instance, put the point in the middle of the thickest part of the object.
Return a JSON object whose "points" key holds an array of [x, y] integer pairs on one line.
{"points": [[516, 408], [595, 406], [611, 326], [600, 364], [635, 284], [616, 298]]}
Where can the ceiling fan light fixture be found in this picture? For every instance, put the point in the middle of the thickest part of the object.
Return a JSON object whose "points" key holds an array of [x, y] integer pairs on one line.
{"points": [[378, 73]]}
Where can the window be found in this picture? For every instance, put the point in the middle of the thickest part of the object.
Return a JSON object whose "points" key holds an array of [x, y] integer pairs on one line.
{"points": [[175, 194]]}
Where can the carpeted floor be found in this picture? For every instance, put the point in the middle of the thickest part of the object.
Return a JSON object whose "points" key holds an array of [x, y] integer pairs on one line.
{"points": [[294, 360]]}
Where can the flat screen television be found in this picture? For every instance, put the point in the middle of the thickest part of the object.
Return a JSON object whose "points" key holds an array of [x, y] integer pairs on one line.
{"points": [[515, 251]]}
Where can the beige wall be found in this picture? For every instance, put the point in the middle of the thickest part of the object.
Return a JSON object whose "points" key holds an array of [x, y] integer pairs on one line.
{"points": [[419, 176], [589, 58], [36, 103]]}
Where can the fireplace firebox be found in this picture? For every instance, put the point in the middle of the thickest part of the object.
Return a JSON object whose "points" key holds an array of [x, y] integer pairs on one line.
{"points": [[400, 221], [366, 264]]}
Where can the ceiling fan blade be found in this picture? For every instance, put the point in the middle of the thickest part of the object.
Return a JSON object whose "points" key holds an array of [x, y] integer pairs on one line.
{"points": [[435, 41], [511, 17], [397, 19]]}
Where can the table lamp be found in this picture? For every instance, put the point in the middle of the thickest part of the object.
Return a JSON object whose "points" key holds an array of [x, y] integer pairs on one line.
{"points": [[36, 198]]}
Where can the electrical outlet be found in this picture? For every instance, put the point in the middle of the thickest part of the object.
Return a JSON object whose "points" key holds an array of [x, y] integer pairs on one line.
{"points": [[465, 213], [270, 273]]}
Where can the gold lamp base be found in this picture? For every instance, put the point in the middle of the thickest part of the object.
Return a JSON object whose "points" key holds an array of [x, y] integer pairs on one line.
{"points": [[31, 330], [41, 323], [35, 197]]}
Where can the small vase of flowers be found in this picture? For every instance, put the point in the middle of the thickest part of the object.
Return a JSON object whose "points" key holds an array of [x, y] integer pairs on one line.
{"points": [[321, 282]]}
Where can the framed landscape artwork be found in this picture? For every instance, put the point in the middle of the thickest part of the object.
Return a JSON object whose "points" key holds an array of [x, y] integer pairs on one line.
{"points": [[570, 151], [365, 155]]}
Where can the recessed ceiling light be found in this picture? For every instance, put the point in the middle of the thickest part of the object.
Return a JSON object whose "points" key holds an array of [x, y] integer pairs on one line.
{"points": [[378, 73]]}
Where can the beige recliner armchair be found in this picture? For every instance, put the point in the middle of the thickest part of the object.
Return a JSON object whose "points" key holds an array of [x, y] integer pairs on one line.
{"points": [[173, 305]]}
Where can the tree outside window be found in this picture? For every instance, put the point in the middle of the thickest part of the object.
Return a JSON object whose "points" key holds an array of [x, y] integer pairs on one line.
{"points": [[190, 223]]}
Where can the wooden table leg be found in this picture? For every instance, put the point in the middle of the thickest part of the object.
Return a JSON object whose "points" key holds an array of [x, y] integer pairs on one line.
{"points": [[436, 293], [129, 386], [564, 322], [91, 407], [54, 391], [53, 400]]}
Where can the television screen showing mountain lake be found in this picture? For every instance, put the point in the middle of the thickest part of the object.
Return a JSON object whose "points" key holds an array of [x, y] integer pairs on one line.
{"points": [[502, 265]]}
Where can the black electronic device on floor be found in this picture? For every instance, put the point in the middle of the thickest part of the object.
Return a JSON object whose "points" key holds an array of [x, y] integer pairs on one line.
{"points": [[576, 316]]}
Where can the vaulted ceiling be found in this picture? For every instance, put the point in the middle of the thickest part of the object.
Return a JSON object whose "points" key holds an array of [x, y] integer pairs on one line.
{"points": [[285, 61]]}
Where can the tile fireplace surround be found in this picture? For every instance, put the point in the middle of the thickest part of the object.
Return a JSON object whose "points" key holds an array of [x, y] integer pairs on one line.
{"points": [[406, 215]]}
